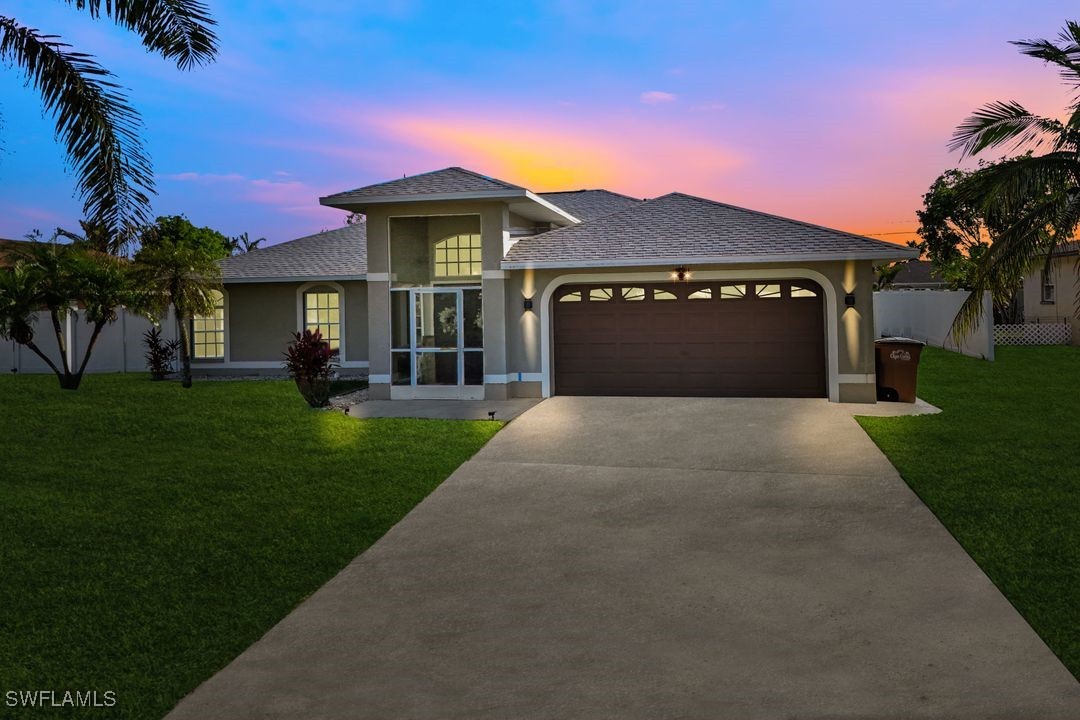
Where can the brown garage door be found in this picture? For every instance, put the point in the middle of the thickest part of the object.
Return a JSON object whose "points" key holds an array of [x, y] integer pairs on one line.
{"points": [[729, 339]]}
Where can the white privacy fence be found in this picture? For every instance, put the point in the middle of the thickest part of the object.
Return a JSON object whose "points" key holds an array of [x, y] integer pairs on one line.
{"points": [[119, 348], [1033, 334], [928, 315]]}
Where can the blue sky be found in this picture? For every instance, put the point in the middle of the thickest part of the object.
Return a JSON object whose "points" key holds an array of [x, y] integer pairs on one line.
{"points": [[836, 113]]}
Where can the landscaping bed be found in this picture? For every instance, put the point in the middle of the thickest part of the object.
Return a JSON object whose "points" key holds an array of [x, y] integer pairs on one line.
{"points": [[152, 533], [1000, 467]]}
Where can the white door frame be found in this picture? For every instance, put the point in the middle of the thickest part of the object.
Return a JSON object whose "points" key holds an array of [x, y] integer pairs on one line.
{"points": [[831, 333], [461, 391]]}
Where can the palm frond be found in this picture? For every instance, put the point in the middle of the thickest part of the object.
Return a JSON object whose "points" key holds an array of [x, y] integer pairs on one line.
{"points": [[179, 30], [99, 129], [1015, 251], [1065, 53], [1005, 123], [1005, 189]]}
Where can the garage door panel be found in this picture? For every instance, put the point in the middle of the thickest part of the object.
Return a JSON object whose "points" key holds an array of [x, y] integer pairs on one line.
{"points": [[702, 347]]}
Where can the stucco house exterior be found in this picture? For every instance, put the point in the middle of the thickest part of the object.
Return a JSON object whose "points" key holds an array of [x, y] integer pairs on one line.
{"points": [[1051, 291], [459, 285]]}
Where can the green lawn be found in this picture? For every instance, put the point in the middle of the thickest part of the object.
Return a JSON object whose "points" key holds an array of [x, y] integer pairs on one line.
{"points": [[1000, 467], [149, 534]]}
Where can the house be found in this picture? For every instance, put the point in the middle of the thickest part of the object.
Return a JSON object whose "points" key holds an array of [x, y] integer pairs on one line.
{"points": [[918, 275], [1052, 291], [459, 285]]}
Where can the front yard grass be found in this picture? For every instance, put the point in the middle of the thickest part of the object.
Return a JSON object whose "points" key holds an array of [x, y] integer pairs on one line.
{"points": [[150, 534], [1000, 467]]}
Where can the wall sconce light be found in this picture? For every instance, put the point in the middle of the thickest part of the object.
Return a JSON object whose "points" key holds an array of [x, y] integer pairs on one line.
{"points": [[849, 299], [680, 274], [528, 304]]}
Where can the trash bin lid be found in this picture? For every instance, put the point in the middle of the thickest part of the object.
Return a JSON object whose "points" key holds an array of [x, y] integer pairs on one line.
{"points": [[899, 341]]}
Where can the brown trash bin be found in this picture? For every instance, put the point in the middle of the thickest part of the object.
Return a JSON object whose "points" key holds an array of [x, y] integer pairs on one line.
{"points": [[896, 362]]}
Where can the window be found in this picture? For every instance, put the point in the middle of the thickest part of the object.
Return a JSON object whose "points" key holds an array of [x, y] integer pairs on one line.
{"points": [[732, 292], [1047, 288], [701, 294], [600, 294], [659, 294], [767, 291], [798, 291], [322, 312], [632, 294], [208, 332], [458, 256], [573, 296]]}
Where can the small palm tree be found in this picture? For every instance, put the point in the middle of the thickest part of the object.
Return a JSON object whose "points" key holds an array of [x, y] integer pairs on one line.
{"points": [[99, 129], [177, 263], [58, 279], [1038, 194]]}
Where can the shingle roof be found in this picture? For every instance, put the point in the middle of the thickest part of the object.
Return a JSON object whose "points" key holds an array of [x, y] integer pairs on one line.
{"points": [[918, 273], [590, 204], [445, 181], [340, 254], [678, 227]]}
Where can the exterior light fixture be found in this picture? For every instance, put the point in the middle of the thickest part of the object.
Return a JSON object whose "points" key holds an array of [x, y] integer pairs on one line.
{"points": [[849, 299], [680, 274], [528, 304]]}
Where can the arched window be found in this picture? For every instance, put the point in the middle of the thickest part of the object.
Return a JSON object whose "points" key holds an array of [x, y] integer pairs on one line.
{"points": [[208, 331], [458, 256], [322, 312]]}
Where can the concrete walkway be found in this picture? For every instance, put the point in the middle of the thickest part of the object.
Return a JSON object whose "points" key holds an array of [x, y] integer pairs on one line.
{"points": [[504, 410], [657, 558]]}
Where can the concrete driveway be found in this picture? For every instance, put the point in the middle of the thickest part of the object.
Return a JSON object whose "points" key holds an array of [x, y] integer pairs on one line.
{"points": [[657, 558]]}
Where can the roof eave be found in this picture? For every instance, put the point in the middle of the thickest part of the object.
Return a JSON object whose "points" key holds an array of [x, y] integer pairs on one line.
{"points": [[350, 201], [786, 259], [291, 278]]}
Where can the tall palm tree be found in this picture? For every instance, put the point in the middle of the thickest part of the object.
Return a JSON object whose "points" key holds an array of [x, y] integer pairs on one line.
{"points": [[1037, 191], [99, 129]]}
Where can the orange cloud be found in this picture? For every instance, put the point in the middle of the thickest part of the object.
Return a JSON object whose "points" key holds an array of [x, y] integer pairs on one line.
{"points": [[633, 157]]}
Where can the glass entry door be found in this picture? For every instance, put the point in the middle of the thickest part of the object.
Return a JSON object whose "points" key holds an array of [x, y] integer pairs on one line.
{"points": [[438, 342]]}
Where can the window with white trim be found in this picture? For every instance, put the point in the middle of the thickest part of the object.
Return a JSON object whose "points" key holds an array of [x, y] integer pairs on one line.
{"points": [[208, 331], [322, 312], [1047, 288], [458, 256]]}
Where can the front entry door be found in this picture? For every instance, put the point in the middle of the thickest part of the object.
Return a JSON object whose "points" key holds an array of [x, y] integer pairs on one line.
{"points": [[446, 356]]}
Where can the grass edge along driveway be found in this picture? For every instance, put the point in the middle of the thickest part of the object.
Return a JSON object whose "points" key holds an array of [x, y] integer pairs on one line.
{"points": [[1000, 468], [151, 534]]}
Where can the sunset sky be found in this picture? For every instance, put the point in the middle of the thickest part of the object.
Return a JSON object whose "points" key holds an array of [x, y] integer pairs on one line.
{"points": [[835, 112]]}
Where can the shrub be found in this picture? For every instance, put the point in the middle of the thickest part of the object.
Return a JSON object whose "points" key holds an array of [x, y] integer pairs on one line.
{"points": [[310, 362], [159, 353]]}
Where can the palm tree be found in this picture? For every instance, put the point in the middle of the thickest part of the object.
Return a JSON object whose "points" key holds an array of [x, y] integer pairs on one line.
{"points": [[1038, 194], [179, 262], [57, 279], [99, 129]]}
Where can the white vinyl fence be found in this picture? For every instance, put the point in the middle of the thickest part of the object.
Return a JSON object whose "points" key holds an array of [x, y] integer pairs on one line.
{"points": [[1033, 334], [928, 315], [119, 348]]}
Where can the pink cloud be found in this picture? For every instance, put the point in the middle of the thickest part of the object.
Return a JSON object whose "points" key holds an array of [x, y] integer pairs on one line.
{"points": [[656, 97]]}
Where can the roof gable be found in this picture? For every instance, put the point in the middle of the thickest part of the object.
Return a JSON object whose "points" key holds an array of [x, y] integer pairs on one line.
{"points": [[448, 181], [683, 228]]}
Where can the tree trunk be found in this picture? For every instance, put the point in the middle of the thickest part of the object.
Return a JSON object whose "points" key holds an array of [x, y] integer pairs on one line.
{"points": [[61, 344], [185, 350], [98, 327]]}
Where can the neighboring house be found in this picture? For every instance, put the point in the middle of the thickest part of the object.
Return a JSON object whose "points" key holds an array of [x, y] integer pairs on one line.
{"points": [[918, 275], [1050, 292], [460, 285]]}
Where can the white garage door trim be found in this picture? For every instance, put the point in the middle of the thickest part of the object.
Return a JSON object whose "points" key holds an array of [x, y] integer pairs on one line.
{"points": [[831, 332]]}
